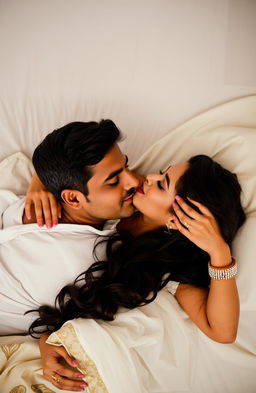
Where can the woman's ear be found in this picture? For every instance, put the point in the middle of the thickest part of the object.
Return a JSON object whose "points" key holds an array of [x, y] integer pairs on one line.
{"points": [[171, 224], [73, 198]]}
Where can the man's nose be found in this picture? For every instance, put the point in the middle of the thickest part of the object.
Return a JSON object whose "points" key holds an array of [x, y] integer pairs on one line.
{"points": [[131, 180]]}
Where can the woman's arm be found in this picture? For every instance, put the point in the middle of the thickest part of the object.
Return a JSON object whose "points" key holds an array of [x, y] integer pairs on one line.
{"points": [[216, 310], [41, 206]]}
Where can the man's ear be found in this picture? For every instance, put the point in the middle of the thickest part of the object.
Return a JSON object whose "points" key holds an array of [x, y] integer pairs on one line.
{"points": [[73, 198]]}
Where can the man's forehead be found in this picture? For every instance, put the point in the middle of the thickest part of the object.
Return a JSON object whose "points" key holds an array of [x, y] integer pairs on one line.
{"points": [[112, 162]]}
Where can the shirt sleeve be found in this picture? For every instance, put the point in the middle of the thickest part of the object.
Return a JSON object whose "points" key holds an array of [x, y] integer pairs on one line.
{"points": [[172, 287]]}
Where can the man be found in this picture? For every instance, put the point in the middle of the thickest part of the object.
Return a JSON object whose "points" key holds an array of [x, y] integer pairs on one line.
{"points": [[82, 166]]}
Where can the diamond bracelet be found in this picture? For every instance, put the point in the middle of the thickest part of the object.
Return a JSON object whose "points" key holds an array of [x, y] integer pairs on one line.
{"points": [[223, 273]]}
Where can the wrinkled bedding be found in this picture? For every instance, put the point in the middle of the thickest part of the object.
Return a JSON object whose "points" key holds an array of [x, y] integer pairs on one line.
{"points": [[156, 348]]}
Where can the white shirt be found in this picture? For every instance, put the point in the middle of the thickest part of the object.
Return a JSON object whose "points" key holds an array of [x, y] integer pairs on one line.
{"points": [[35, 263]]}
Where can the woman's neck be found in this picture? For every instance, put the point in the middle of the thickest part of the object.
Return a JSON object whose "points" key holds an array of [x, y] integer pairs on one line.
{"points": [[136, 224]]}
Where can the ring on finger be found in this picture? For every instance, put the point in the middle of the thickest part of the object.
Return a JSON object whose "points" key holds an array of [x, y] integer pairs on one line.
{"points": [[186, 224], [56, 378]]}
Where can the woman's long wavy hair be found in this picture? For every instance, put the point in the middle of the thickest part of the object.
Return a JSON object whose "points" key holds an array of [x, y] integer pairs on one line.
{"points": [[136, 269]]}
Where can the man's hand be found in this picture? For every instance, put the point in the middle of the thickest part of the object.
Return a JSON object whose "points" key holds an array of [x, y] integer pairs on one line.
{"points": [[46, 209], [59, 375]]}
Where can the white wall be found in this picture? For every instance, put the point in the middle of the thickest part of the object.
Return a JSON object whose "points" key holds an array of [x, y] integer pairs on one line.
{"points": [[147, 64]]}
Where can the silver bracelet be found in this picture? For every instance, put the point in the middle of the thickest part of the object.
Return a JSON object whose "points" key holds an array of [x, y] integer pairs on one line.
{"points": [[223, 273]]}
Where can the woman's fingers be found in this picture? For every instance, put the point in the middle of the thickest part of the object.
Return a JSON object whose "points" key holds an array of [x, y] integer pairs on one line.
{"points": [[27, 208], [203, 209], [50, 210], [184, 219], [39, 212], [63, 383], [192, 213], [181, 228]]}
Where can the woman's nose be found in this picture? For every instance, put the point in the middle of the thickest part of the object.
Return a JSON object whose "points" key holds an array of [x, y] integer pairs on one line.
{"points": [[153, 177]]}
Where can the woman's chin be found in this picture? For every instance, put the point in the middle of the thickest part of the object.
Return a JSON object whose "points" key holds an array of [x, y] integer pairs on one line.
{"points": [[136, 201]]}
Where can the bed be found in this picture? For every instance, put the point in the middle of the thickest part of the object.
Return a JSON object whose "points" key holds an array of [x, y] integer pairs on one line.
{"points": [[134, 63], [156, 348]]}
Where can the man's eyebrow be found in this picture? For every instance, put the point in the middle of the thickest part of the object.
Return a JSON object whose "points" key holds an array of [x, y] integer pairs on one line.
{"points": [[115, 173]]}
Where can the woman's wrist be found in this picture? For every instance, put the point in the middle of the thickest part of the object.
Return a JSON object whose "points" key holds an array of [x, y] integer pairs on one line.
{"points": [[221, 257]]}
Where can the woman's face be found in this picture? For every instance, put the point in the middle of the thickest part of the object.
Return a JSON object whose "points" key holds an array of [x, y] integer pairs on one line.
{"points": [[154, 199]]}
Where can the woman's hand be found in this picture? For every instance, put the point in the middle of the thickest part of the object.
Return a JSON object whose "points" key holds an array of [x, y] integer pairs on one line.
{"points": [[55, 372], [202, 229], [47, 208]]}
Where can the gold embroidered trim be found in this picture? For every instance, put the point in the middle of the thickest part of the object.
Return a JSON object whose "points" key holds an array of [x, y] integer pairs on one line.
{"points": [[19, 389], [9, 349], [41, 388], [67, 336]]}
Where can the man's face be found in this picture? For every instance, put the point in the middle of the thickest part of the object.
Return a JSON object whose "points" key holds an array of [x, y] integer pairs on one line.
{"points": [[111, 187]]}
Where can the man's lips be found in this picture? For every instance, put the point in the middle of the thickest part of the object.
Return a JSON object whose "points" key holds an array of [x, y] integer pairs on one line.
{"points": [[129, 198]]}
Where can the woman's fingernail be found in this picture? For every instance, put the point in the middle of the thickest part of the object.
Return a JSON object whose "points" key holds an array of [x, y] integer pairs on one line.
{"points": [[49, 225], [174, 204], [40, 223], [178, 197], [54, 223], [74, 363], [81, 376], [83, 385]]}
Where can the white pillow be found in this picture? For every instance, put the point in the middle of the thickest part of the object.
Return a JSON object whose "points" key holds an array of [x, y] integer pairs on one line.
{"points": [[226, 133]]}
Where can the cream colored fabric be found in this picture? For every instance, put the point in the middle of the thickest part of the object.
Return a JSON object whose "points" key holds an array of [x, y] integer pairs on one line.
{"points": [[157, 348], [149, 65]]}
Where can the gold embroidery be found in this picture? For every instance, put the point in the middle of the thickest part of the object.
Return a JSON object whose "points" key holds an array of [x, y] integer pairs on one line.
{"points": [[67, 336], [19, 389], [9, 349], [41, 388]]}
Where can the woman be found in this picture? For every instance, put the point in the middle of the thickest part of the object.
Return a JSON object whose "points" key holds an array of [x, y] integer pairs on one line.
{"points": [[187, 218]]}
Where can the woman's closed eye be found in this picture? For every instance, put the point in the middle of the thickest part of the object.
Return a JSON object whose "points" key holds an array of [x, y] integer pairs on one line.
{"points": [[159, 185]]}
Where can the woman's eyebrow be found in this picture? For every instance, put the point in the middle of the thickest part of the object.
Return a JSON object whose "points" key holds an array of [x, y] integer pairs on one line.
{"points": [[167, 178]]}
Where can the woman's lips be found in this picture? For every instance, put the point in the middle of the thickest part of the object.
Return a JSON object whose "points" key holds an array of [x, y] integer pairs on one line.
{"points": [[140, 190]]}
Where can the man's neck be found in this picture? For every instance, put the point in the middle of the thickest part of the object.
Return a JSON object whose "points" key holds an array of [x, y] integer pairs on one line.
{"points": [[71, 216]]}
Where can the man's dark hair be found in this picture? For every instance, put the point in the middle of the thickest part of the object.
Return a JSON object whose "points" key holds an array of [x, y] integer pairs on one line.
{"points": [[63, 159]]}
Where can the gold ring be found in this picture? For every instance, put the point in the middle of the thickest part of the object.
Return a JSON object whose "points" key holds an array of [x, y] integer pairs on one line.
{"points": [[186, 224], [56, 378]]}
